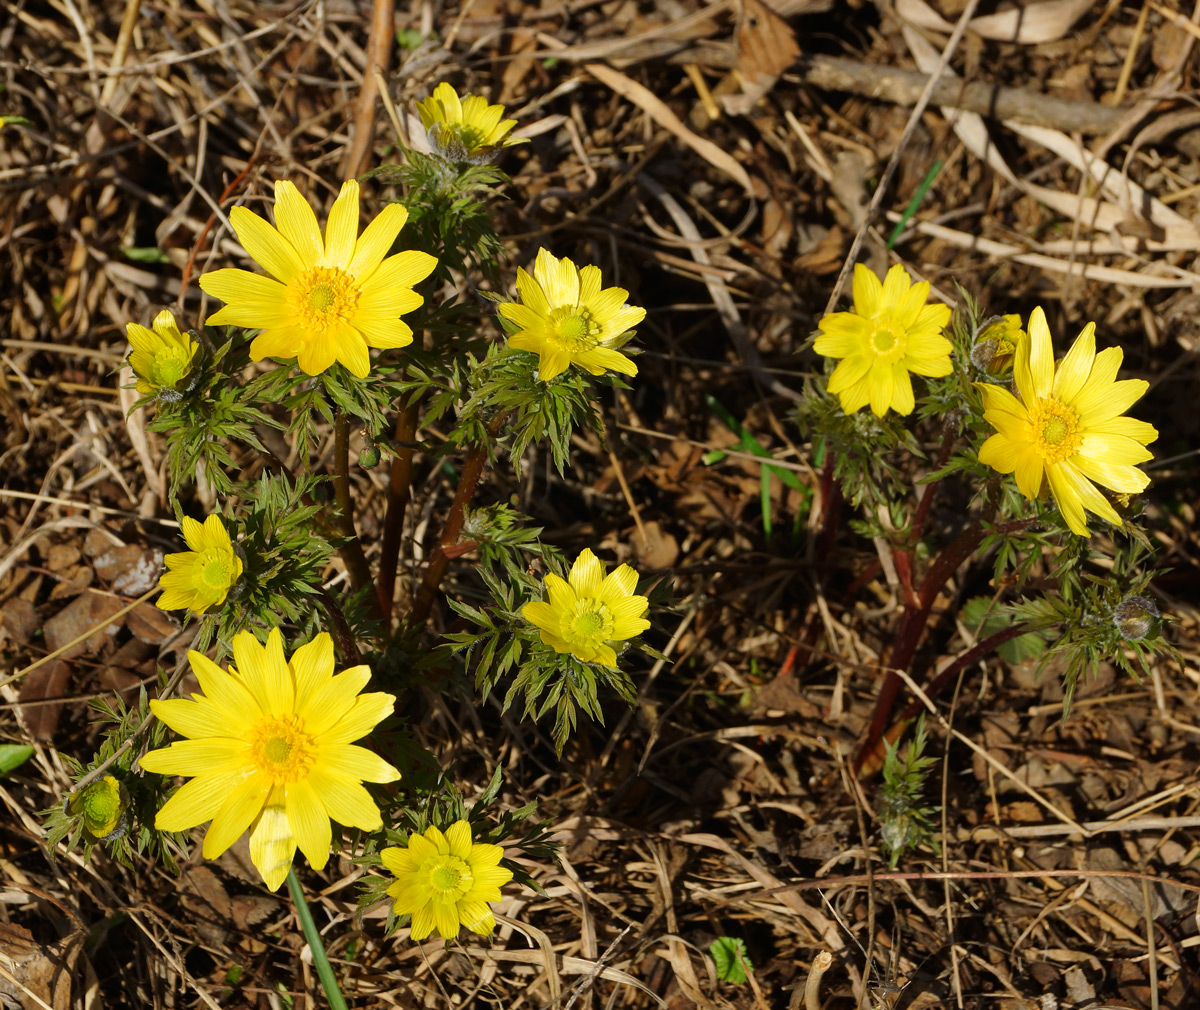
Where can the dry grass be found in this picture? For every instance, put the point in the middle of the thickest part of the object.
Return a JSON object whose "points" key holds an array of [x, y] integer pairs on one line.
{"points": [[727, 205]]}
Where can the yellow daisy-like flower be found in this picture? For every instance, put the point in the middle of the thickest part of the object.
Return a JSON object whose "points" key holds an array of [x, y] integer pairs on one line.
{"points": [[445, 881], [201, 577], [590, 611], [270, 748], [566, 318], [161, 357], [1065, 427], [890, 333], [327, 298], [465, 128]]}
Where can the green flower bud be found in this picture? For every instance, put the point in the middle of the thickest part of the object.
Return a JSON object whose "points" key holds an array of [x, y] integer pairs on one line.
{"points": [[368, 457], [102, 807], [1135, 618]]}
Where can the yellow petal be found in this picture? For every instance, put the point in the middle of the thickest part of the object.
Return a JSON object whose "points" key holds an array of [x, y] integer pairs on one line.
{"points": [[458, 837], [341, 229], [868, 292], [237, 813], [1036, 375], [309, 822], [195, 802], [272, 845], [346, 801], [312, 667], [297, 223], [376, 240], [586, 574], [266, 246], [880, 388], [1074, 369]]}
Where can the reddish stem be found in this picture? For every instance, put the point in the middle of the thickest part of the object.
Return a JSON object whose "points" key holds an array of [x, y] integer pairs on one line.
{"points": [[351, 551], [439, 560], [915, 619], [399, 486]]}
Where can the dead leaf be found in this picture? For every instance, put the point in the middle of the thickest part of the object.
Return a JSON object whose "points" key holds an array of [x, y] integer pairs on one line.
{"points": [[658, 549], [33, 975], [93, 612], [150, 624], [766, 47], [129, 569], [19, 619]]}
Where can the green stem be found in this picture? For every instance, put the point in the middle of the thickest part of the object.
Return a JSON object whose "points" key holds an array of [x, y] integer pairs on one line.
{"points": [[320, 959]]}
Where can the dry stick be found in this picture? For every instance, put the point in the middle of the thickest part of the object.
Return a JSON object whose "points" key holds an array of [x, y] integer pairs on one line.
{"points": [[439, 560], [913, 118], [379, 52], [812, 987], [398, 494]]}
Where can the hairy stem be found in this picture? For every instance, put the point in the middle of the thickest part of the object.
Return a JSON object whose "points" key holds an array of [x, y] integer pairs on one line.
{"points": [[439, 560], [399, 486]]}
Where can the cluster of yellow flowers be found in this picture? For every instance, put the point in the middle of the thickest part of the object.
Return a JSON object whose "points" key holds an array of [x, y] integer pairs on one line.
{"points": [[1063, 431], [268, 745]]}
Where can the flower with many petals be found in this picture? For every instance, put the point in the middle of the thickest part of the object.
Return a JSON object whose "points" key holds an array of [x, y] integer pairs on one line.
{"points": [[161, 357], [328, 298], [566, 318], [890, 333], [445, 881], [1065, 427], [589, 611], [466, 128], [270, 746], [201, 577]]}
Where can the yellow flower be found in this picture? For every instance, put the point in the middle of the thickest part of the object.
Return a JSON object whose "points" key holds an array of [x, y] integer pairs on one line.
{"points": [[201, 577], [464, 128], [996, 344], [1065, 428], [327, 299], [161, 357], [445, 881], [101, 806], [587, 613], [890, 333], [269, 746], [566, 319]]}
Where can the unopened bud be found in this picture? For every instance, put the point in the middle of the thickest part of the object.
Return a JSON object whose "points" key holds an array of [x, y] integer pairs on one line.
{"points": [[368, 457], [102, 807], [997, 344], [1135, 618]]}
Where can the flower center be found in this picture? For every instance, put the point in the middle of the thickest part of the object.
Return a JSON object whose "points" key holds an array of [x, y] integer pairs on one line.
{"points": [[280, 749], [889, 340], [216, 570], [322, 297], [1053, 427], [590, 624], [170, 365], [450, 877], [574, 328]]}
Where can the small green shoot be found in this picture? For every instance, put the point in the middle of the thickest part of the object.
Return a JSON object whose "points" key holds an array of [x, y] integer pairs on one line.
{"points": [[729, 955]]}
